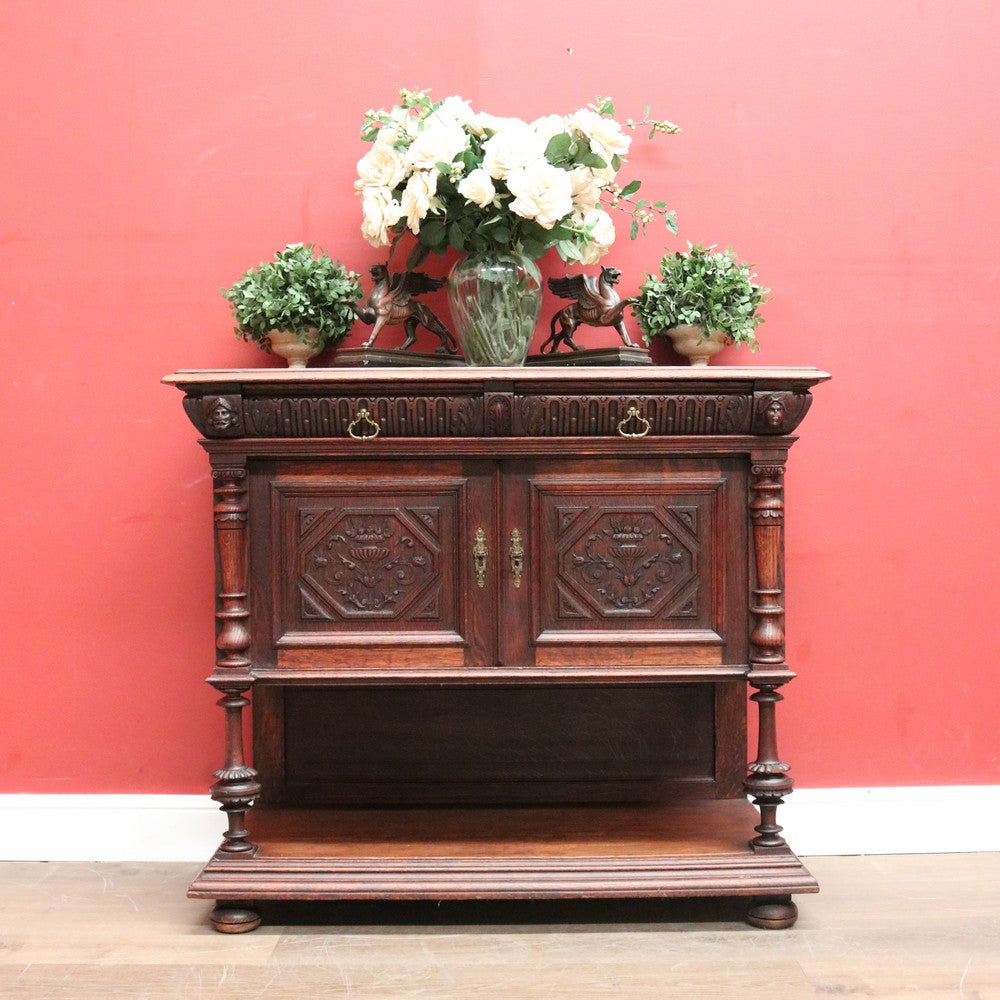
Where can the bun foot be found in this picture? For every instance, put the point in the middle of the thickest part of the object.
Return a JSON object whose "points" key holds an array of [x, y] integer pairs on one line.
{"points": [[773, 913], [229, 918]]}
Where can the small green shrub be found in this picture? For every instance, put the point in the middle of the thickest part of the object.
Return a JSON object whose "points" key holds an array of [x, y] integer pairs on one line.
{"points": [[712, 290], [296, 292]]}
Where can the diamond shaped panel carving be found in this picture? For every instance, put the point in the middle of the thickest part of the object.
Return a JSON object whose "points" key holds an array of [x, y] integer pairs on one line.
{"points": [[372, 564], [640, 562]]}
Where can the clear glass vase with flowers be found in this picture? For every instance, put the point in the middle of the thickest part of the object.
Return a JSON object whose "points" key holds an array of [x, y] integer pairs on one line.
{"points": [[503, 192]]}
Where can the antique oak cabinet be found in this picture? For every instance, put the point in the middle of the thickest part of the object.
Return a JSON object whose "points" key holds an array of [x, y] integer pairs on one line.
{"points": [[496, 630]]}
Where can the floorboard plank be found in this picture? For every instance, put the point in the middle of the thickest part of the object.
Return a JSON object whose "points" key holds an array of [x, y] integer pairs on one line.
{"points": [[883, 927]]}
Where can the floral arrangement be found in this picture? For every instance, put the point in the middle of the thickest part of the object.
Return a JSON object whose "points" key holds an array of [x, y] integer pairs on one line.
{"points": [[454, 177]]}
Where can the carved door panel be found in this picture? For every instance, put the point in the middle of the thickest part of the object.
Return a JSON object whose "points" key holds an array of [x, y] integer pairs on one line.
{"points": [[375, 565], [623, 564]]}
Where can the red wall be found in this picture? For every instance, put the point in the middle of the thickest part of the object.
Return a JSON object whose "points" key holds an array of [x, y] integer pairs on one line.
{"points": [[154, 152]]}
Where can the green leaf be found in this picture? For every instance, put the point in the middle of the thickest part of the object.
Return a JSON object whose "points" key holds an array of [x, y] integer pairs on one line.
{"points": [[433, 233], [592, 160], [558, 149], [417, 256], [633, 229], [631, 188]]}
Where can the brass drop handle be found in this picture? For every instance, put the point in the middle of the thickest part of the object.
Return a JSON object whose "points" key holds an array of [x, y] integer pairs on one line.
{"points": [[363, 417], [479, 556], [516, 557], [634, 414]]}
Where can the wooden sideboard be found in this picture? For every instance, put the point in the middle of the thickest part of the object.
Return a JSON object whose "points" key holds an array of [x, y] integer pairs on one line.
{"points": [[499, 627]]}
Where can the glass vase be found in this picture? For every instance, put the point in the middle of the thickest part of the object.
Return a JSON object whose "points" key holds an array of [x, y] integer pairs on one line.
{"points": [[495, 300]]}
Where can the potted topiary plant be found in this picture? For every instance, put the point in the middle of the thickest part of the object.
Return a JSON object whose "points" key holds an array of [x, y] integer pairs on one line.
{"points": [[702, 301], [295, 305]]}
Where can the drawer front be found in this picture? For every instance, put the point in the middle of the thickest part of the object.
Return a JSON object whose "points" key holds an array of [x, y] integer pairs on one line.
{"points": [[364, 416], [632, 416]]}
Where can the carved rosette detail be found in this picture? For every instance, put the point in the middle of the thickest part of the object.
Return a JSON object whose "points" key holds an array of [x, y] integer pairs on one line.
{"points": [[767, 779]]}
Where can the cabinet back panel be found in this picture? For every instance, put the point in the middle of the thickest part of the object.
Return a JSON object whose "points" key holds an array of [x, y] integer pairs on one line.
{"points": [[406, 746]]}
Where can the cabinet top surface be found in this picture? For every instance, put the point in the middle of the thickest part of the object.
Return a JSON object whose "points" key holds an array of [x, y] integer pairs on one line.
{"points": [[749, 376]]}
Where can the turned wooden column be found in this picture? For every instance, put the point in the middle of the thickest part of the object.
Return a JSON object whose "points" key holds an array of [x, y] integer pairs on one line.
{"points": [[767, 779], [237, 785]]}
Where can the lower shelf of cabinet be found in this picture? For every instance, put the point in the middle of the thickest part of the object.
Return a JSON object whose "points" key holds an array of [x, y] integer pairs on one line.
{"points": [[696, 849]]}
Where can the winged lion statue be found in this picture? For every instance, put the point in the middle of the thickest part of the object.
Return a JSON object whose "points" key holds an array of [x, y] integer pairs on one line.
{"points": [[393, 301], [596, 304]]}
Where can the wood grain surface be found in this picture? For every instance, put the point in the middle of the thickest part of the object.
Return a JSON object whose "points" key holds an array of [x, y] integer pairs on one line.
{"points": [[913, 927]]}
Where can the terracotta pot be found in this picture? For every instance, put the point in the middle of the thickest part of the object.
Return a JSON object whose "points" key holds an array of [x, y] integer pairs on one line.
{"points": [[691, 342], [295, 351]]}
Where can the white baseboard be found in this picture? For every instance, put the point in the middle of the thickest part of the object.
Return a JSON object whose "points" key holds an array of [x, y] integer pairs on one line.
{"points": [[925, 820]]}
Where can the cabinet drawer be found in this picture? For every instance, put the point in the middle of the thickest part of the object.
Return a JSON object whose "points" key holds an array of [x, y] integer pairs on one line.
{"points": [[364, 416], [632, 416]]}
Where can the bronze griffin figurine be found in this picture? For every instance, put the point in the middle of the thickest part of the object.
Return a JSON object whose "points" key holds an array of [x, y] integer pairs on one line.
{"points": [[597, 304], [392, 302]]}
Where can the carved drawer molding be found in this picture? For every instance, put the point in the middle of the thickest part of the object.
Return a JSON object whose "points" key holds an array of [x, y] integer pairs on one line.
{"points": [[324, 416], [608, 416]]}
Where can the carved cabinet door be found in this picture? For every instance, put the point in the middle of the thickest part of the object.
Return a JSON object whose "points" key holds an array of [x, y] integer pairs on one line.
{"points": [[623, 564], [375, 564]]}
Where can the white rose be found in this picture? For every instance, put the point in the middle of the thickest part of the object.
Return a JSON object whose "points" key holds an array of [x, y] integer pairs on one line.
{"points": [[380, 211], [483, 121], [586, 190], [439, 142], [545, 128], [515, 145], [605, 134], [603, 176], [381, 166], [602, 235], [541, 192], [477, 188], [418, 198], [454, 109]]}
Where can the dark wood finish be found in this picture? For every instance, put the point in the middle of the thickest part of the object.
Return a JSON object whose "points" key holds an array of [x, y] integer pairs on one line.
{"points": [[593, 357], [500, 637], [594, 852], [379, 357]]}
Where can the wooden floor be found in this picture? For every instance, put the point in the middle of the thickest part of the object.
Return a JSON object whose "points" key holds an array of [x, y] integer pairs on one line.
{"points": [[915, 926]]}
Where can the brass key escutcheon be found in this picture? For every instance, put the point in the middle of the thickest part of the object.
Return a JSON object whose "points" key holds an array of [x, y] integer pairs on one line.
{"points": [[516, 556], [479, 556]]}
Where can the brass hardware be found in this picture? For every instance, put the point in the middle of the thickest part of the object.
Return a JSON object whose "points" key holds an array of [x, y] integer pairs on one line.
{"points": [[479, 556], [516, 556], [634, 414], [363, 416]]}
